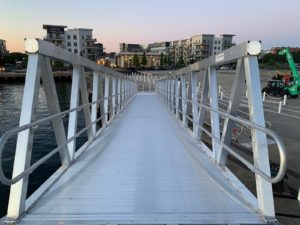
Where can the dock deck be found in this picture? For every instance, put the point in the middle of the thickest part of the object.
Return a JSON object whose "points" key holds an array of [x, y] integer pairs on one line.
{"points": [[162, 176]]}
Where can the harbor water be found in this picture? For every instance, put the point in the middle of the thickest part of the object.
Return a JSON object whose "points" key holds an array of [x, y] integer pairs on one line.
{"points": [[44, 141]]}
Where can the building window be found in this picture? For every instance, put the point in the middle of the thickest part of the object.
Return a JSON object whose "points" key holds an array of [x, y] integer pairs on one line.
{"points": [[75, 44], [69, 44], [68, 37], [82, 37], [74, 37], [75, 51], [69, 50]]}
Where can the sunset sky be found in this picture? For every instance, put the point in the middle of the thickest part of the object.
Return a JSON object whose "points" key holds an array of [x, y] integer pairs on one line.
{"points": [[275, 22]]}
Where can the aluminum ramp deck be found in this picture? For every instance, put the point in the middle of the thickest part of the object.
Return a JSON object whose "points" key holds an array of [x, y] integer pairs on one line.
{"points": [[143, 169]]}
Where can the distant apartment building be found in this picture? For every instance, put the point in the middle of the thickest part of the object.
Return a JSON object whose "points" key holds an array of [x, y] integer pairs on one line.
{"points": [[55, 34], [192, 49], [124, 47], [161, 47], [125, 59], [3, 49], [181, 52], [79, 40]]}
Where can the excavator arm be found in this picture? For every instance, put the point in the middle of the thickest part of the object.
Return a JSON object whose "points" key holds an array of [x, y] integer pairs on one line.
{"points": [[291, 62]]}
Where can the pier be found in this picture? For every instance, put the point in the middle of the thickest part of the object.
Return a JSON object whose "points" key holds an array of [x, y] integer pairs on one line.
{"points": [[144, 161]]}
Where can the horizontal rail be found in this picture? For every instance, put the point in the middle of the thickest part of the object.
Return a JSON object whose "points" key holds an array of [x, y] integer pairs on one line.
{"points": [[274, 135], [38, 46], [34, 166]]}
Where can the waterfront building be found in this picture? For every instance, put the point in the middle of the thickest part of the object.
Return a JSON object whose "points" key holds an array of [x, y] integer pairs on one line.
{"points": [[159, 47], [178, 52], [125, 47], [125, 59], [198, 47], [78, 40], [55, 34], [3, 49], [107, 59]]}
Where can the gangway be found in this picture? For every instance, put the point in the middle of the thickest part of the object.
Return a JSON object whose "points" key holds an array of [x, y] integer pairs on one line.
{"points": [[144, 161]]}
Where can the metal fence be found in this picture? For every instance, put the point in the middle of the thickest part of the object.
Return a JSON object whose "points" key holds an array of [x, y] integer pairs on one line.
{"points": [[180, 93], [111, 92]]}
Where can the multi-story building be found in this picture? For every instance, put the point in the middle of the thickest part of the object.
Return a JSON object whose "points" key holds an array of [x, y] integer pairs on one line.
{"points": [[124, 47], [218, 45], [3, 49], [125, 59], [180, 52], [227, 40], [55, 34], [202, 46], [161, 47], [79, 40], [198, 47]]}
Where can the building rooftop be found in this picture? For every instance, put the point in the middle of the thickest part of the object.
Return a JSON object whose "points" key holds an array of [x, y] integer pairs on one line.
{"points": [[45, 26]]}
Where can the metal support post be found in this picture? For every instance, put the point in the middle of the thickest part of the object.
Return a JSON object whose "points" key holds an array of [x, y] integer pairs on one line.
{"points": [[215, 122], [194, 96], [113, 94], [233, 107], [18, 191], [172, 95], [259, 139], [85, 100], [72, 126], [120, 102], [183, 100], [54, 108], [95, 98], [106, 96], [176, 97]]}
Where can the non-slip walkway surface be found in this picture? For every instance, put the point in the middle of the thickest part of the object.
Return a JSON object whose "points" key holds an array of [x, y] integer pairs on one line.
{"points": [[143, 169]]}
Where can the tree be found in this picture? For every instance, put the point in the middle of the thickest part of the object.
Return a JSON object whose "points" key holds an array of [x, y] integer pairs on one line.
{"points": [[162, 60], [13, 57], [167, 60], [181, 61], [144, 59], [136, 61]]}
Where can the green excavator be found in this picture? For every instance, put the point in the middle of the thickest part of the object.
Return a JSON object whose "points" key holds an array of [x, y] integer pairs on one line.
{"points": [[285, 84]]}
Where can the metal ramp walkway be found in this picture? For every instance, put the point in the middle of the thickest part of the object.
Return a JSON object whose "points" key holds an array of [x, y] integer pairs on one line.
{"points": [[161, 177], [144, 161]]}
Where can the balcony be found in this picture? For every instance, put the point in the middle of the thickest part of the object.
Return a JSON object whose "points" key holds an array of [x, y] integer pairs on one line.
{"points": [[54, 39], [91, 40]]}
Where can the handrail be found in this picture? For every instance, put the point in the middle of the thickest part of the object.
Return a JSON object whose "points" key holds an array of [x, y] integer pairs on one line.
{"points": [[274, 135], [38, 46], [34, 166]]}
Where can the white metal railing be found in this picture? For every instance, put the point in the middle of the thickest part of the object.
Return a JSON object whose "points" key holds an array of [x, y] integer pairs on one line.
{"points": [[179, 91], [111, 93]]}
